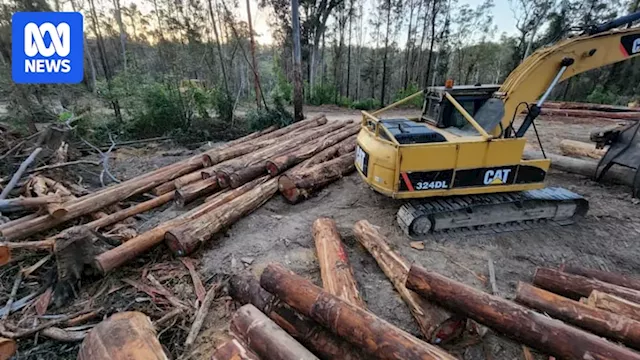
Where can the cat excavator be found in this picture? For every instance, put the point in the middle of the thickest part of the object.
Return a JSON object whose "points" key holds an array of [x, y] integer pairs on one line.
{"points": [[460, 162]]}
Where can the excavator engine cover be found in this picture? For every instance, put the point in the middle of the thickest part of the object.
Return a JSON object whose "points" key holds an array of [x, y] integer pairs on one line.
{"points": [[410, 132]]}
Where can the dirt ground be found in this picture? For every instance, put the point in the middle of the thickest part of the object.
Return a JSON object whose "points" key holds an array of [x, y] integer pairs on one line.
{"points": [[279, 232]]}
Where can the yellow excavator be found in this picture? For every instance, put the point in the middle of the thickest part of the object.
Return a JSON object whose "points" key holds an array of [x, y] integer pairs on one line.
{"points": [[461, 161]]}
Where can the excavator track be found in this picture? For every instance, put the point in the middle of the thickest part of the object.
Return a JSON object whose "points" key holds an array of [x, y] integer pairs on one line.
{"points": [[496, 212]]}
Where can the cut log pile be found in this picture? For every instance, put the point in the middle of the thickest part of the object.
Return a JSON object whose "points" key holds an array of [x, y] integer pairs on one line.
{"points": [[592, 111]]}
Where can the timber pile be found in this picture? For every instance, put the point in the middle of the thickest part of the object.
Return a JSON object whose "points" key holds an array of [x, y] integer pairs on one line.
{"points": [[590, 111]]}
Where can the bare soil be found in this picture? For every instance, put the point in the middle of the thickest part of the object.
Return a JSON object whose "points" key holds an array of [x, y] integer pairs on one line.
{"points": [[280, 232]]}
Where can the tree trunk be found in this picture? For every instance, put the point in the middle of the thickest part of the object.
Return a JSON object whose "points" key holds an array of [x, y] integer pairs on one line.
{"points": [[234, 350], [198, 189], [360, 327], [297, 63], [266, 338], [185, 238], [606, 276], [126, 335], [256, 75], [521, 324], [299, 185], [614, 304], [349, 48], [436, 324], [599, 322], [384, 58], [119, 255], [576, 286], [434, 17], [335, 269], [220, 55], [235, 149], [281, 163], [123, 33], [407, 57], [579, 148], [245, 289]]}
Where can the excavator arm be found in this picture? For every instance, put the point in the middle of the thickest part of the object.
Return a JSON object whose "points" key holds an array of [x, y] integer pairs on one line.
{"points": [[539, 73]]}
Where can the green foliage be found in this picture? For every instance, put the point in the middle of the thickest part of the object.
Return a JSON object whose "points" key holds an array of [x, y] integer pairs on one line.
{"points": [[283, 90], [276, 115], [601, 96], [344, 101], [410, 90], [366, 104], [322, 94], [223, 104], [161, 113]]}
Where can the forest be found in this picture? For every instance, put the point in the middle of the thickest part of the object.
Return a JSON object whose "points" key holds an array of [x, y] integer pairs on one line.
{"points": [[194, 70]]}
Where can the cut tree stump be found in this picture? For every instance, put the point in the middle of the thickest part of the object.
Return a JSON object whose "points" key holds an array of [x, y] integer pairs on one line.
{"points": [[124, 336], [246, 289], [438, 326], [599, 322], [335, 269], [576, 286], [8, 348], [535, 330], [614, 304], [264, 337], [363, 329], [606, 276], [233, 349], [298, 185]]}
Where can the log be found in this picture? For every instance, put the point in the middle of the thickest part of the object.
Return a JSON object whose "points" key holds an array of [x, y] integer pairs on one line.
{"points": [[363, 329], [185, 180], [212, 157], [245, 175], [299, 185], [437, 325], [566, 105], [24, 203], [119, 255], [599, 322], [614, 304], [579, 148], [185, 238], [342, 148], [278, 164], [193, 191], [259, 158], [41, 189], [124, 336], [576, 286], [591, 114], [243, 140], [265, 338], [245, 289], [335, 269], [8, 348], [164, 188], [617, 174], [234, 350], [18, 174], [549, 336], [606, 276], [93, 202]]}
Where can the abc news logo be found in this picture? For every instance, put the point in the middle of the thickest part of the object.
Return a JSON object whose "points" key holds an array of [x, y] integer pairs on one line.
{"points": [[47, 47], [34, 44]]}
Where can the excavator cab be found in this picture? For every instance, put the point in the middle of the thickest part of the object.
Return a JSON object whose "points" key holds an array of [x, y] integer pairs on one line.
{"points": [[438, 111]]}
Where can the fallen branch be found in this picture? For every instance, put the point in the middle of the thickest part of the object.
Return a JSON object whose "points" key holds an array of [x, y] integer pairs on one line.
{"points": [[17, 333], [59, 165], [14, 291], [18, 174], [63, 335], [201, 315]]}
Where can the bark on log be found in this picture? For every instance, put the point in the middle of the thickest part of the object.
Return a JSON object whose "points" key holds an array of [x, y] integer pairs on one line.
{"points": [[243, 140], [576, 286], [587, 106], [8, 348], [360, 327], [124, 336], [185, 180], [599, 322], [279, 164], [117, 256], [184, 239], [535, 330], [93, 202], [335, 269], [41, 189], [245, 175], [606, 276], [212, 157], [234, 350], [23, 203], [246, 289], [617, 174], [164, 188], [342, 148], [579, 148], [436, 324], [265, 338], [193, 191], [614, 304], [591, 114], [259, 158], [299, 185]]}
